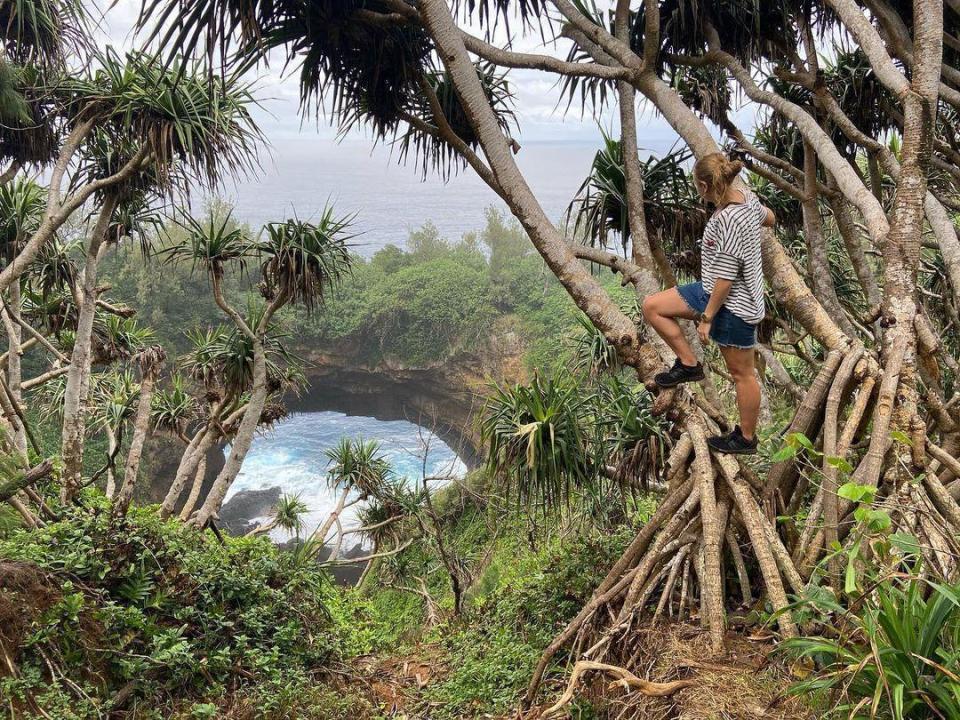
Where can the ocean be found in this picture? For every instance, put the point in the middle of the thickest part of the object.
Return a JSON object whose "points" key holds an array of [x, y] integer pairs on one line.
{"points": [[291, 457], [389, 200]]}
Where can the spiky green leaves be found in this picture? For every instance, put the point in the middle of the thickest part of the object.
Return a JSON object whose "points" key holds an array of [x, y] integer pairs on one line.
{"points": [[566, 436], [26, 135], [360, 62], [356, 58], [117, 338], [303, 260], [210, 244], [172, 408], [300, 261], [673, 211], [747, 29], [358, 464], [895, 656], [22, 203], [491, 12], [537, 440], [221, 358], [182, 116], [44, 32], [289, 513], [430, 151]]}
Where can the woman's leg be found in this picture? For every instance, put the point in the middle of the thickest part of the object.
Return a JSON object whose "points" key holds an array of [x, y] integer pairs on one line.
{"points": [[740, 363], [660, 310]]}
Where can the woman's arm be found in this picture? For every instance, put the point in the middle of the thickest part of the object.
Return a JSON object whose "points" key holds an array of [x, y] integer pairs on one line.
{"points": [[721, 288], [770, 220]]}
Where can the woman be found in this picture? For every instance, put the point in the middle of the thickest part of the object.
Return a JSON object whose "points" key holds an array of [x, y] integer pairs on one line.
{"points": [[727, 303]]}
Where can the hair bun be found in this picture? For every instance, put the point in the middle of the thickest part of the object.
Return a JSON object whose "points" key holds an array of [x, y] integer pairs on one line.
{"points": [[732, 168]]}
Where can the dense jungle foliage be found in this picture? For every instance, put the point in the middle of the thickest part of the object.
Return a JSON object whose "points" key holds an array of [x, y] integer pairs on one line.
{"points": [[610, 558], [421, 303]]}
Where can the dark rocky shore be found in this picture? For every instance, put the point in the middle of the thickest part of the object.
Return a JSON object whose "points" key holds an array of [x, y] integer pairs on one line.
{"points": [[238, 517]]}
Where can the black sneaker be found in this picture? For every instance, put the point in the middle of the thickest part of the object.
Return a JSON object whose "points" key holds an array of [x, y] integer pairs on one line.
{"points": [[733, 443], [679, 374]]}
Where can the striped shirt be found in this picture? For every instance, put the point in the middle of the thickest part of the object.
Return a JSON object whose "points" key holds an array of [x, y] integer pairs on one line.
{"points": [[731, 251]]}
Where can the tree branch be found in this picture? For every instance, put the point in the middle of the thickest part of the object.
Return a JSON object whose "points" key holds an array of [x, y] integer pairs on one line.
{"points": [[25, 480]]}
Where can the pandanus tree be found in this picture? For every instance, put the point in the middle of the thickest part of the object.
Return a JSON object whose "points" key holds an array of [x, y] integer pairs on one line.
{"points": [[358, 468], [380, 523], [299, 262], [219, 364], [149, 361], [174, 409], [170, 127], [113, 405], [672, 210], [21, 210], [877, 401], [38, 38], [287, 515], [113, 391]]}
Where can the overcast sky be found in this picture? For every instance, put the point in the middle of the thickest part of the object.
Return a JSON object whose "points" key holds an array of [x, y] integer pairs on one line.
{"points": [[307, 166], [536, 93]]}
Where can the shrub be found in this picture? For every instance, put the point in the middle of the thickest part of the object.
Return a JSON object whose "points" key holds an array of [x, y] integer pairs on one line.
{"points": [[528, 595], [159, 609], [896, 654]]}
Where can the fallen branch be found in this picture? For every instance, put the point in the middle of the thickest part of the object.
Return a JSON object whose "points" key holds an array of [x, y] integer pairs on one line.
{"points": [[367, 558], [624, 678]]}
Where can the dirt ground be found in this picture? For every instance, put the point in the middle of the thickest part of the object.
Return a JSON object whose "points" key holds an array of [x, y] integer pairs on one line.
{"points": [[25, 594], [747, 682]]}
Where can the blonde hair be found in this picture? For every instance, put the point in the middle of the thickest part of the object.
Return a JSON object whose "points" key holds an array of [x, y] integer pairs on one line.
{"points": [[717, 172]]}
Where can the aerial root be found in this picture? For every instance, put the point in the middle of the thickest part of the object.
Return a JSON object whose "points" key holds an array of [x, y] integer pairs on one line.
{"points": [[624, 678], [678, 562]]}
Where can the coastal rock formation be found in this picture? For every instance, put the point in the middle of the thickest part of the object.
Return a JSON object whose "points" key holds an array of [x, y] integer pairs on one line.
{"points": [[444, 396]]}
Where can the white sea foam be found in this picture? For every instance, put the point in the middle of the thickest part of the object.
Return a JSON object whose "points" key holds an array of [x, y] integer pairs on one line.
{"points": [[291, 457]]}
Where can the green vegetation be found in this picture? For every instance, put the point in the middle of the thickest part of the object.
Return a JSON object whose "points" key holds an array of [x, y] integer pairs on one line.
{"points": [[525, 597], [895, 652], [421, 304], [533, 582], [191, 628], [195, 628], [843, 542]]}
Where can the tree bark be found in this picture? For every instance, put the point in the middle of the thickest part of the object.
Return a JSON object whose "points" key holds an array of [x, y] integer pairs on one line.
{"points": [[193, 454], [141, 426], [11, 323], [78, 376], [853, 243], [111, 487], [191, 502], [818, 256]]}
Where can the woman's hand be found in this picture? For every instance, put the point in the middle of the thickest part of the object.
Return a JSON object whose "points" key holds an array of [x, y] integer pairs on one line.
{"points": [[703, 330]]}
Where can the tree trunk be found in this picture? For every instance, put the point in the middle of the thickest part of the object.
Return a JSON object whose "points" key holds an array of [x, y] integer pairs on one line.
{"points": [[141, 426], [695, 510], [78, 376], [111, 487], [192, 456], [321, 532], [242, 440], [818, 256], [582, 287], [853, 243], [11, 316], [191, 502]]}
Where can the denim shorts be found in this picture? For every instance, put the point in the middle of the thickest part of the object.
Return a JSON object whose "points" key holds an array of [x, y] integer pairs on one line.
{"points": [[727, 329]]}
